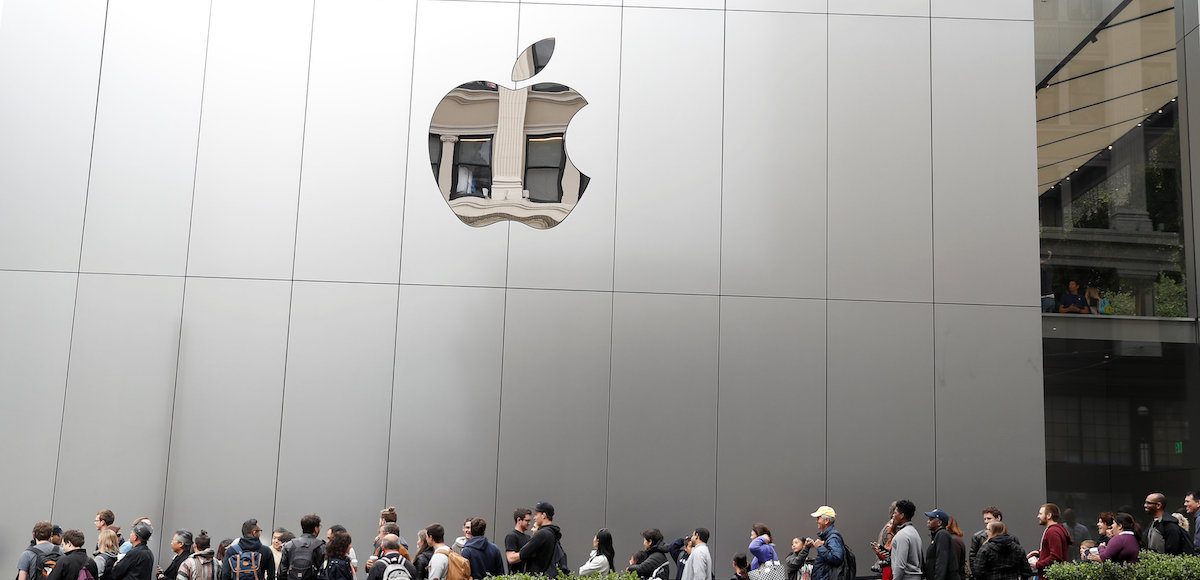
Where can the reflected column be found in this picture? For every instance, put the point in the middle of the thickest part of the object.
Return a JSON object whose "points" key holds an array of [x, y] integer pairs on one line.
{"points": [[446, 167], [508, 161]]}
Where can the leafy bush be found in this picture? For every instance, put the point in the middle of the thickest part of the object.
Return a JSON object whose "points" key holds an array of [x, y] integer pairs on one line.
{"points": [[1150, 566]]}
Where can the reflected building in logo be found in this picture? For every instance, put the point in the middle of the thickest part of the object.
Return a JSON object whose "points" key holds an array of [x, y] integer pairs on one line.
{"points": [[500, 154]]}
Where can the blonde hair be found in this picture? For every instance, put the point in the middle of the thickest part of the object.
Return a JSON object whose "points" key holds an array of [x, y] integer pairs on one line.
{"points": [[108, 541]]}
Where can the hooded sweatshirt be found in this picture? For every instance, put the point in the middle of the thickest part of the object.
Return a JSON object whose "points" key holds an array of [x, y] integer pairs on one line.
{"points": [[538, 552], [1056, 545], [1001, 558], [250, 544], [484, 556], [656, 556]]}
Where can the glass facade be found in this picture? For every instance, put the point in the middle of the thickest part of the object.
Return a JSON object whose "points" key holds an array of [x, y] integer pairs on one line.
{"points": [[1120, 354]]}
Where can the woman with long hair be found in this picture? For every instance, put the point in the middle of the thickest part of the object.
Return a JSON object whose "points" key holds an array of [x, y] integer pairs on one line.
{"points": [[106, 552], [337, 557], [761, 546], [600, 561], [423, 553], [960, 547]]}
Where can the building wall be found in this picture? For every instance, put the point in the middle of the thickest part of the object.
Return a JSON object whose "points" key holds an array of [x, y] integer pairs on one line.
{"points": [[803, 272]]}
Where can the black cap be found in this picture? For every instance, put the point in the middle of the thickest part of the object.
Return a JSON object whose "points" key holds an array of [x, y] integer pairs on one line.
{"points": [[545, 508], [57, 531]]}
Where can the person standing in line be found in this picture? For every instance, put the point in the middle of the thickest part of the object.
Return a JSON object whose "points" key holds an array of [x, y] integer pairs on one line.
{"points": [[128, 544], [1163, 535], [200, 566], [484, 556], [138, 562], [279, 537], [908, 556], [600, 560], [941, 559], [389, 555], [181, 546], [699, 562], [762, 546], [340, 529], [337, 557], [990, 514], [539, 553], [106, 552], [741, 567], [301, 557], [1124, 546], [831, 549], [517, 538], [250, 543], [654, 556], [74, 559], [28, 565], [1001, 556], [1191, 504], [1104, 524], [439, 563], [424, 554], [1056, 540], [104, 520]]}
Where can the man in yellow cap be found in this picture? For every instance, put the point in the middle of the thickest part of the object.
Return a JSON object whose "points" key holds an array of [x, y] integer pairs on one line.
{"points": [[831, 550]]}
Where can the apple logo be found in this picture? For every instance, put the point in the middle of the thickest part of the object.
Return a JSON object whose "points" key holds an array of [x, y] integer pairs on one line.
{"points": [[499, 153]]}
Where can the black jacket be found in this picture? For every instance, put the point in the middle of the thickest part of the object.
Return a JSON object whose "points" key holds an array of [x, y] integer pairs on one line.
{"points": [[173, 569], [1001, 558], [249, 544], [941, 557], [71, 563], [138, 564], [655, 556], [538, 552], [1174, 538], [421, 563]]}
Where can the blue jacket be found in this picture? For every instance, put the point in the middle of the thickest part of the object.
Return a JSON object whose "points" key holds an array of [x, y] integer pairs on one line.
{"points": [[762, 551], [830, 555], [484, 556]]}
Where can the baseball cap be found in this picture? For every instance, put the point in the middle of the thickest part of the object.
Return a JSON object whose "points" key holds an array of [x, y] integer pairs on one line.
{"points": [[544, 507], [824, 511], [939, 514]]}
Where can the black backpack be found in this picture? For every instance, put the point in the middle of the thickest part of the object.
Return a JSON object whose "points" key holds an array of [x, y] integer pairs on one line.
{"points": [[848, 570], [301, 556]]}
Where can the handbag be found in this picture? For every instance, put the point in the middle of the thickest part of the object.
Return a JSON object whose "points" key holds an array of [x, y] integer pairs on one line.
{"points": [[772, 570]]}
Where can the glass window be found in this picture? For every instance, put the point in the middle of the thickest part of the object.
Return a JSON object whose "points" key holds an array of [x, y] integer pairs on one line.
{"points": [[472, 167], [545, 160], [1109, 178]]}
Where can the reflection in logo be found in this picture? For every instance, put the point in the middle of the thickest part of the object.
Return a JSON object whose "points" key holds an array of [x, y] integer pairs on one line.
{"points": [[500, 154]]}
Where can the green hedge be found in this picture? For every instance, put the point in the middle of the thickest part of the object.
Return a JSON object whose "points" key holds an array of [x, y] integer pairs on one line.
{"points": [[1150, 566]]}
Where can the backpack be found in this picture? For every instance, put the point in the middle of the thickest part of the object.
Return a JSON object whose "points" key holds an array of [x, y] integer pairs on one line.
{"points": [[41, 562], [458, 567], [109, 561], [85, 574], [396, 570], [244, 565], [849, 568], [300, 558]]}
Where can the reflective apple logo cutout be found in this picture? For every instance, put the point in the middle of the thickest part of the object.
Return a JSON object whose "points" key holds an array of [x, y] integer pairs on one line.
{"points": [[500, 154]]}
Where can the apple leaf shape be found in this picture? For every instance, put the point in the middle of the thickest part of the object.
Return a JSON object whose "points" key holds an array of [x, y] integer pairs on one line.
{"points": [[533, 59]]}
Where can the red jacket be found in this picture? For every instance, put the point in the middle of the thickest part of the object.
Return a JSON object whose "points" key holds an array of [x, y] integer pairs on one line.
{"points": [[1055, 543]]}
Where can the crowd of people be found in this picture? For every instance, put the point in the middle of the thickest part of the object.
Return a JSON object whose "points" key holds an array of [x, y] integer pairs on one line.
{"points": [[534, 546]]}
